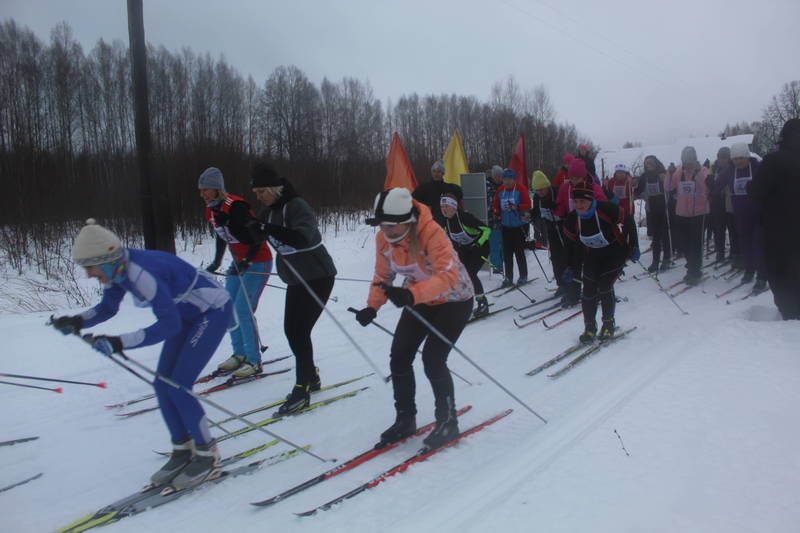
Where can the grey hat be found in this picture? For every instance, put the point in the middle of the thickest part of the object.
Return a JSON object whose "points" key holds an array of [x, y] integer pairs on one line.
{"points": [[497, 171], [439, 165], [211, 178], [724, 153], [740, 150], [689, 155]]}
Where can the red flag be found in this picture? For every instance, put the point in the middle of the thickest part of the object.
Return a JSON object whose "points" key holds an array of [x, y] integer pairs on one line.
{"points": [[398, 170], [517, 163]]}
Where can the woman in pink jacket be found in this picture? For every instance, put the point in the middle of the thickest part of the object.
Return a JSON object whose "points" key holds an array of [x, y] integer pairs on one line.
{"points": [[689, 180]]}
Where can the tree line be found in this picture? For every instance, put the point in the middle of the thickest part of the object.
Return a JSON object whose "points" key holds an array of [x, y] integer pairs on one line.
{"points": [[67, 144]]}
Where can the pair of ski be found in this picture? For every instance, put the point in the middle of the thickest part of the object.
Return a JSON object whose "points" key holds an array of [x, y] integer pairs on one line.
{"points": [[420, 456], [18, 483], [750, 294], [588, 350], [150, 497], [686, 287], [541, 315], [17, 441], [508, 288], [205, 379]]}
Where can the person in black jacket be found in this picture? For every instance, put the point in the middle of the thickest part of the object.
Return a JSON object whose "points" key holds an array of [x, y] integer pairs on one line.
{"points": [[594, 228], [721, 221], [470, 238], [429, 192], [651, 188], [303, 263], [544, 203], [776, 187]]}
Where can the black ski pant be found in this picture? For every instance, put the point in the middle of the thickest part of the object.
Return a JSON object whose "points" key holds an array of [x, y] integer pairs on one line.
{"points": [[514, 246], [723, 223], [558, 251], [301, 312], [472, 257], [690, 230], [783, 272], [450, 319], [659, 230], [600, 272]]}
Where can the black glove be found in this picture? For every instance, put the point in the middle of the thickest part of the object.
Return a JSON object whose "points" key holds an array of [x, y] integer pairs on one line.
{"points": [[240, 268], [257, 230], [221, 218], [398, 295], [366, 316], [67, 324], [212, 267], [106, 344]]}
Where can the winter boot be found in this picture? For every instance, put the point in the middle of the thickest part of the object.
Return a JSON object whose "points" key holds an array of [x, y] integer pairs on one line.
{"points": [[181, 456], [204, 465], [506, 283], [296, 401], [607, 331], [247, 369], [231, 363], [522, 280], [405, 425], [483, 306], [748, 277]]}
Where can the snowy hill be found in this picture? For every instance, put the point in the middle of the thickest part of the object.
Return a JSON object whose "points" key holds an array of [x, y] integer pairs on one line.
{"points": [[704, 404]]}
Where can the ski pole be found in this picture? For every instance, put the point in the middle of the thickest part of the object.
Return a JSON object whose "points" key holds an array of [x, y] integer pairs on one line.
{"points": [[317, 299], [88, 338], [470, 361], [654, 278], [531, 300], [102, 384], [548, 280], [58, 389], [385, 330], [334, 299]]}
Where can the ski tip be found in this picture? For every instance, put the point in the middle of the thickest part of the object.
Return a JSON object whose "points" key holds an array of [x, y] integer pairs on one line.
{"points": [[102, 385], [58, 390]]}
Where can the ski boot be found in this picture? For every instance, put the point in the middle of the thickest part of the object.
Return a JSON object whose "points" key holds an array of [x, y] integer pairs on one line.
{"points": [[607, 331], [760, 285], [231, 363], [204, 465], [522, 280], [483, 307], [444, 432], [653, 268], [316, 383], [693, 279], [181, 456], [247, 369], [506, 283], [588, 335], [296, 401], [405, 425]]}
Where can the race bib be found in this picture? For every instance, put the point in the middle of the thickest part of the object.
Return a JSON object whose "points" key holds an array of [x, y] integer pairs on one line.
{"points": [[652, 189], [461, 238], [740, 186], [620, 191], [597, 240], [547, 214], [225, 234], [687, 188]]}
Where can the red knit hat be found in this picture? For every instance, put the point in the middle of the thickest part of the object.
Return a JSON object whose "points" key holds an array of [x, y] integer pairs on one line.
{"points": [[567, 159], [577, 169]]}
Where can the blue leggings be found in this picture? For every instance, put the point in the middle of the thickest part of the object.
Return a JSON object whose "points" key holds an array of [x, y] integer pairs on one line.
{"points": [[243, 327], [183, 357]]}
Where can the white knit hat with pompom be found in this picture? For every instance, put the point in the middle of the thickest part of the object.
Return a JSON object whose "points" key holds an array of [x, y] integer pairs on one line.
{"points": [[95, 245]]}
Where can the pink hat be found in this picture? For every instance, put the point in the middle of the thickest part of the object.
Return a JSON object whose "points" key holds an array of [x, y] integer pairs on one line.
{"points": [[577, 169], [567, 159]]}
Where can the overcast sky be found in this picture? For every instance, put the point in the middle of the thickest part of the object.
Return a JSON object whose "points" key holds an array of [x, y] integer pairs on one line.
{"points": [[619, 70]]}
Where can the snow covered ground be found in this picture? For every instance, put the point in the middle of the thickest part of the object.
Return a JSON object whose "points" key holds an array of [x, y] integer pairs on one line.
{"points": [[705, 404]]}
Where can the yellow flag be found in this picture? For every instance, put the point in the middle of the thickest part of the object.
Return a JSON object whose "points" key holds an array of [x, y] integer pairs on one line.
{"points": [[455, 161]]}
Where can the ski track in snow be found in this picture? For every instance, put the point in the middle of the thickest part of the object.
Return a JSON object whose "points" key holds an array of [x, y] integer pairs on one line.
{"points": [[704, 403]]}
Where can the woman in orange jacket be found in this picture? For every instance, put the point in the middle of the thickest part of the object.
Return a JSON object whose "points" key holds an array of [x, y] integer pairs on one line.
{"points": [[438, 288]]}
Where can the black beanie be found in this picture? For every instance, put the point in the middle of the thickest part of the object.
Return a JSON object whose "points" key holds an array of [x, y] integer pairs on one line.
{"points": [[264, 175], [583, 191]]}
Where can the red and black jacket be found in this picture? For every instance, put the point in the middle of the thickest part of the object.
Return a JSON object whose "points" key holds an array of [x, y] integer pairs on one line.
{"points": [[229, 222]]}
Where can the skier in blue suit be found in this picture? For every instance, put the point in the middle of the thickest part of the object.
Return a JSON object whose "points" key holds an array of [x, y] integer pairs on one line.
{"points": [[192, 312]]}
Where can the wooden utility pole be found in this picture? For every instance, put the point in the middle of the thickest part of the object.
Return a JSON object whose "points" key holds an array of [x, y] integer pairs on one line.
{"points": [[156, 219]]}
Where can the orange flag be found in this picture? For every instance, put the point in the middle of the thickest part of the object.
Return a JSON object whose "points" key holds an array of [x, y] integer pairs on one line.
{"points": [[398, 169], [517, 163]]}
